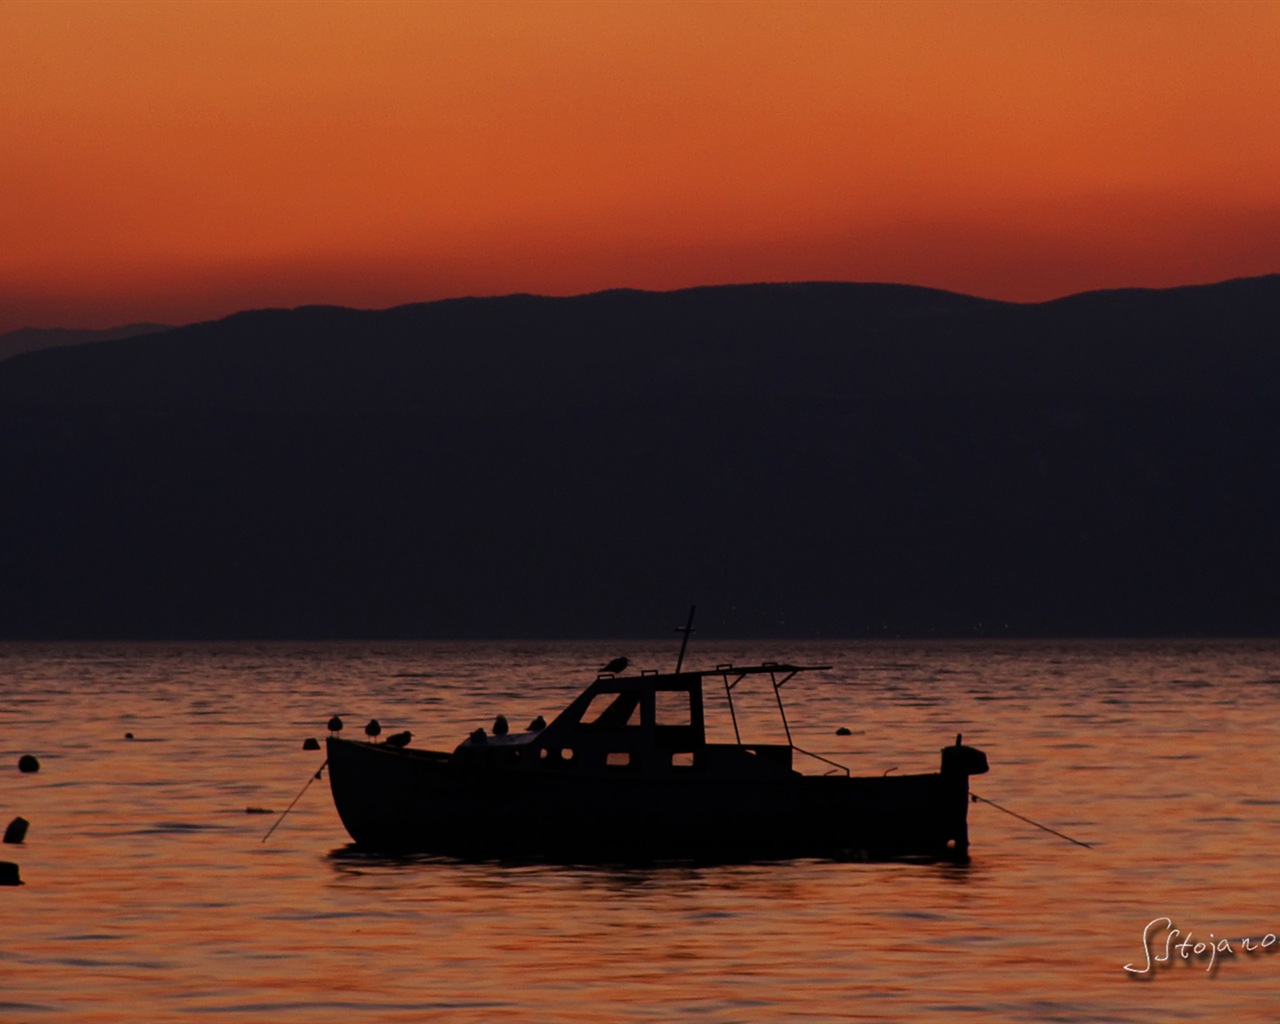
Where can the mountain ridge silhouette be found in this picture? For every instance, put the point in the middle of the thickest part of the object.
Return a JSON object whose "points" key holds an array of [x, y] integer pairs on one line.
{"points": [[32, 339], [799, 459]]}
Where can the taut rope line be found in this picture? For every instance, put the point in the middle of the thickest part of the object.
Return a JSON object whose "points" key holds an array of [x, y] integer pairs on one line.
{"points": [[1037, 824], [295, 800]]}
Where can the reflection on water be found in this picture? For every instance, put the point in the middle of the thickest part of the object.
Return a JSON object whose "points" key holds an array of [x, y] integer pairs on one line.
{"points": [[150, 895]]}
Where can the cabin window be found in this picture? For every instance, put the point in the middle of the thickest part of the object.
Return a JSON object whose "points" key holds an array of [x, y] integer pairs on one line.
{"points": [[618, 759], [672, 707], [682, 759], [612, 710]]}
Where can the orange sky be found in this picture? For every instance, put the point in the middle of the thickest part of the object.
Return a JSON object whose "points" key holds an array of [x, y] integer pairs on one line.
{"points": [[180, 161]]}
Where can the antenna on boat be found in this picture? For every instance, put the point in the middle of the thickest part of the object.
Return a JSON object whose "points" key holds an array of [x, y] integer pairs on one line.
{"points": [[686, 629]]}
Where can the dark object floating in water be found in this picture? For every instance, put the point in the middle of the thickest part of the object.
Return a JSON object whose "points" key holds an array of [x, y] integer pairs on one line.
{"points": [[373, 729], [9, 873], [128, 735], [399, 739], [625, 773], [844, 731], [311, 743], [258, 810], [28, 763], [617, 665], [17, 831], [537, 724], [335, 724], [500, 726]]}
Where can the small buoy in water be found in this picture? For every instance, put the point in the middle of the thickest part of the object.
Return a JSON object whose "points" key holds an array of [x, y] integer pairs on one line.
{"points": [[843, 731], [28, 763], [17, 831], [311, 743], [9, 873], [128, 735], [258, 810]]}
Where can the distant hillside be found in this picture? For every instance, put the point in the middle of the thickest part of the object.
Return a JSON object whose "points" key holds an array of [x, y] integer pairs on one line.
{"points": [[833, 459], [31, 339]]}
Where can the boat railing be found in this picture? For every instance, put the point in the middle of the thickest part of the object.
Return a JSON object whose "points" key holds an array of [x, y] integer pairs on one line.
{"points": [[779, 676], [836, 766]]}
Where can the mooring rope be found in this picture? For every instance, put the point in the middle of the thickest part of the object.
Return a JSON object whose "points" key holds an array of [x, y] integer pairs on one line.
{"points": [[1052, 831], [295, 800]]}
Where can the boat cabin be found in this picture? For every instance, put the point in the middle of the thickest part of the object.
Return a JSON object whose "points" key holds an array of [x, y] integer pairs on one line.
{"points": [[649, 724]]}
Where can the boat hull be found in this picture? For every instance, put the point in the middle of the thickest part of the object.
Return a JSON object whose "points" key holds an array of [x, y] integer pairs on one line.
{"points": [[401, 801]]}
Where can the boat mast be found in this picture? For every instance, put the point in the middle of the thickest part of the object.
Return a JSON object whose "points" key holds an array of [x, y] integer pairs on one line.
{"points": [[686, 629]]}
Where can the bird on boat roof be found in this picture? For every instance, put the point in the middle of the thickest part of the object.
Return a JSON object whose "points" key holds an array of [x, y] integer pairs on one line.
{"points": [[617, 665], [500, 726], [399, 739], [373, 729], [537, 724], [335, 724]]}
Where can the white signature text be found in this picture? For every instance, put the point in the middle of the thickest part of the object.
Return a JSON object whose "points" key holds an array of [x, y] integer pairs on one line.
{"points": [[1160, 945]]}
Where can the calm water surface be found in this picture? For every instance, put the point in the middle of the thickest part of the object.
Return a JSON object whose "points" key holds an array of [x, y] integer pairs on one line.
{"points": [[150, 895]]}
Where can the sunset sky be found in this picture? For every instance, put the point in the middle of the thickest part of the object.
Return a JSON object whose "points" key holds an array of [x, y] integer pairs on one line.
{"points": [[180, 161]]}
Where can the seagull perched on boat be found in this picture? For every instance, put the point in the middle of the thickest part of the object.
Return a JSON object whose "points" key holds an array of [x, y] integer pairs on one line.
{"points": [[373, 729], [617, 665], [335, 725], [500, 726], [537, 725], [399, 739]]}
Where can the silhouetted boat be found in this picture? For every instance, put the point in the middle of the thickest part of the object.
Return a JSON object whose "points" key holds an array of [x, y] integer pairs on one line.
{"points": [[625, 773]]}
